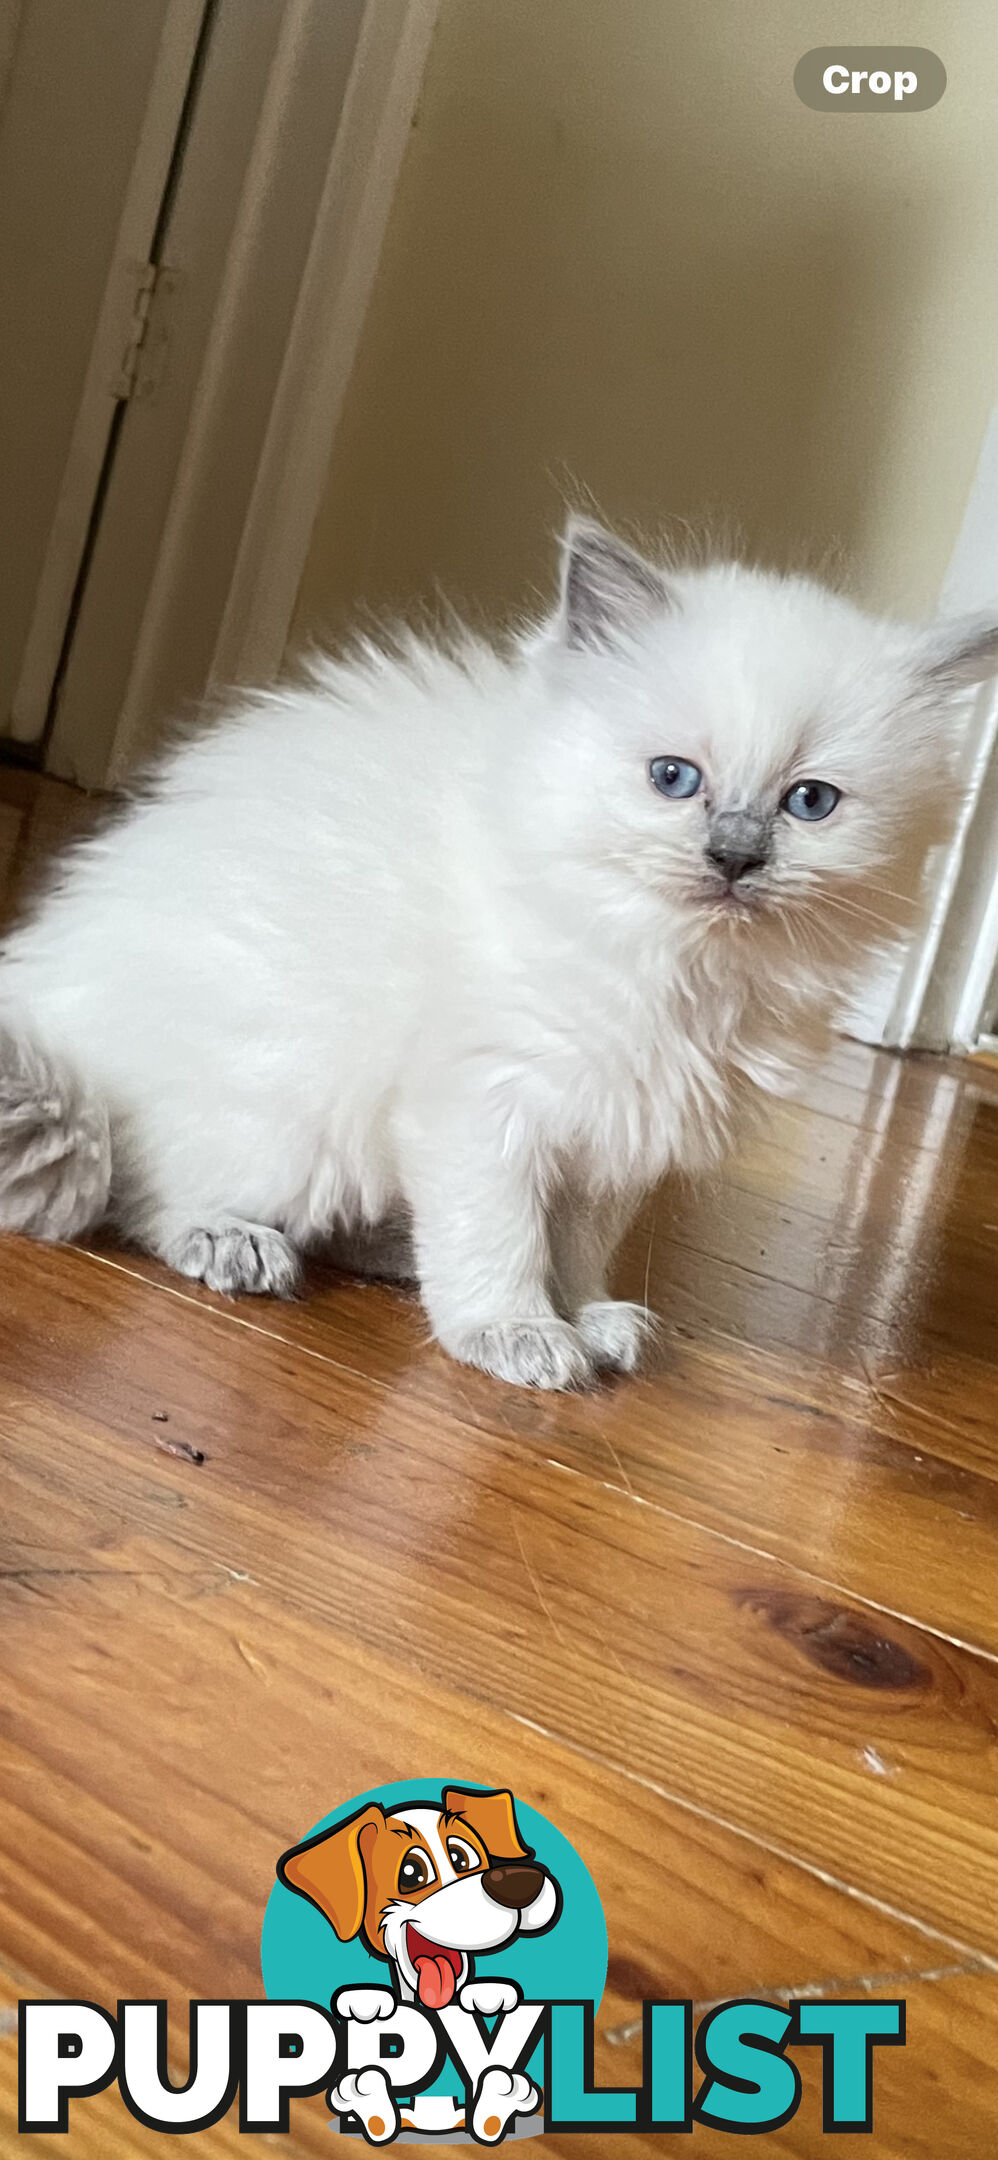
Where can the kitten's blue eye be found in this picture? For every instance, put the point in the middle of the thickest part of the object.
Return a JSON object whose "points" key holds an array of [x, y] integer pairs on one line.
{"points": [[811, 800], [672, 776]]}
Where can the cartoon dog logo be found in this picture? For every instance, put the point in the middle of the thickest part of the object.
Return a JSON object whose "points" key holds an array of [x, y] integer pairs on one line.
{"points": [[429, 1890]]}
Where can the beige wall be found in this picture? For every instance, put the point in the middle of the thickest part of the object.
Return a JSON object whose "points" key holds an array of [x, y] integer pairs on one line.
{"points": [[623, 252]]}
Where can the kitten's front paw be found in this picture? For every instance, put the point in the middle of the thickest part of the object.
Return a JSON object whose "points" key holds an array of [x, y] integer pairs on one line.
{"points": [[237, 1259], [527, 1353], [616, 1334]]}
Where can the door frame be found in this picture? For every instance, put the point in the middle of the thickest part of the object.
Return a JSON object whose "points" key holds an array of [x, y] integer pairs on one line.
{"points": [[292, 447], [100, 399], [364, 163], [937, 997]]}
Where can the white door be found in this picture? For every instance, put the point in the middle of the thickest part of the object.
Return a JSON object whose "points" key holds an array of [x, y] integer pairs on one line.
{"points": [[234, 245], [196, 199], [93, 96]]}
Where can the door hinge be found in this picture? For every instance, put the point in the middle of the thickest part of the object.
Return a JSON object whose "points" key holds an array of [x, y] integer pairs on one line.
{"points": [[145, 278]]}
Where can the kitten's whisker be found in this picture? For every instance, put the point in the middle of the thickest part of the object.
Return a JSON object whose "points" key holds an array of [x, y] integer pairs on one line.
{"points": [[848, 906], [911, 900], [844, 906]]}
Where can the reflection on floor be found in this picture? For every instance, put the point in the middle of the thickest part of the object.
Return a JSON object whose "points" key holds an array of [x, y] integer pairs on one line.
{"points": [[735, 1627]]}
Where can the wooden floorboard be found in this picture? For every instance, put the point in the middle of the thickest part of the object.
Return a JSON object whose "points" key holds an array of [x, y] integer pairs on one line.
{"points": [[733, 1626]]}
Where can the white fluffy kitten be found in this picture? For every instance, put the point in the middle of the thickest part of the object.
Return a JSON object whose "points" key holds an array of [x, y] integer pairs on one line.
{"points": [[482, 943]]}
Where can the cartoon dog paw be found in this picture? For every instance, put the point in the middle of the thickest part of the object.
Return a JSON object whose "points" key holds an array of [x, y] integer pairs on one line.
{"points": [[501, 2096], [365, 2004], [490, 1997], [367, 2094]]}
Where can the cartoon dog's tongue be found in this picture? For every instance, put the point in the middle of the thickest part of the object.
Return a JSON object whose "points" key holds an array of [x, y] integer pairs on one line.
{"points": [[436, 1970], [436, 1982]]}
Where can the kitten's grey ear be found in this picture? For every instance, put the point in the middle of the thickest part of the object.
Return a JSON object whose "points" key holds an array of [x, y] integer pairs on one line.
{"points": [[958, 653], [606, 587]]}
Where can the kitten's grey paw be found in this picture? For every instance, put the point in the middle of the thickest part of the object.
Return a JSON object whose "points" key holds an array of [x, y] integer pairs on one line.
{"points": [[527, 1353], [237, 1258], [616, 1334]]}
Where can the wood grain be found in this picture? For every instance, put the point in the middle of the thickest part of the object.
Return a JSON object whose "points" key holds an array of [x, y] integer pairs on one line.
{"points": [[734, 1627]]}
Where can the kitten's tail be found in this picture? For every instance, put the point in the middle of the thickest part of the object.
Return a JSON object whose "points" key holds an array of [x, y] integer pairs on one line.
{"points": [[55, 1144]]}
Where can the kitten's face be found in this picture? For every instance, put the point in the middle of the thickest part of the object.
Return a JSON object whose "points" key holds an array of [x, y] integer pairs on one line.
{"points": [[753, 747]]}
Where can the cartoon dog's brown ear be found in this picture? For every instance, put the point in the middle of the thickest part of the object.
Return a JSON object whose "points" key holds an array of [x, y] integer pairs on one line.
{"points": [[328, 1869], [492, 1815]]}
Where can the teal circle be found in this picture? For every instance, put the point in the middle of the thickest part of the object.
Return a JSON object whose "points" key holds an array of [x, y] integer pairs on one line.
{"points": [[303, 1960]]}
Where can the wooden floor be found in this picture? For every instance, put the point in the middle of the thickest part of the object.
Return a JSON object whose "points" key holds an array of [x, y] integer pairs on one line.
{"points": [[734, 1626]]}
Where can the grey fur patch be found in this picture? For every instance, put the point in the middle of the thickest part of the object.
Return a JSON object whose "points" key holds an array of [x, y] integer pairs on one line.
{"points": [[55, 1145], [962, 652], [606, 586], [384, 1250], [739, 836], [238, 1259]]}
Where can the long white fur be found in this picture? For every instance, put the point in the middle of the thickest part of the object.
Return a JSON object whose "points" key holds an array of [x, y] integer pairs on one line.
{"points": [[418, 939]]}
